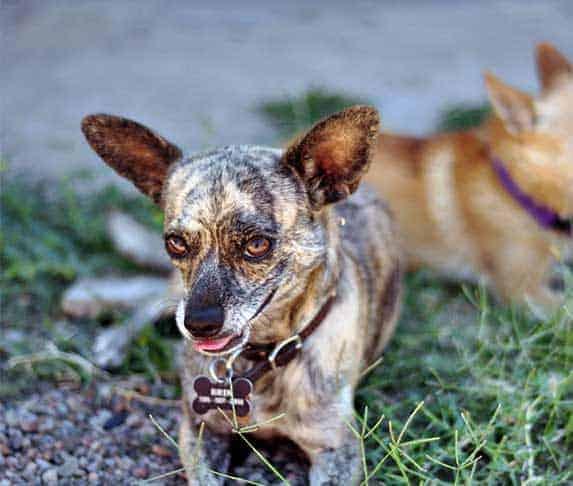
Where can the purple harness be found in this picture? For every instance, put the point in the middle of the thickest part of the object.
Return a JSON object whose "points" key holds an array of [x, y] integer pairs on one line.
{"points": [[545, 217]]}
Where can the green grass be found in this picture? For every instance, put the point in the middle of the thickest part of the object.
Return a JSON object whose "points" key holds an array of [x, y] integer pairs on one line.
{"points": [[293, 114], [491, 387], [496, 385], [463, 117], [51, 235]]}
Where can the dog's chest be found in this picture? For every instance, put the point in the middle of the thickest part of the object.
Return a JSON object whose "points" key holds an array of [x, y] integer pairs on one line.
{"points": [[283, 401], [274, 397]]}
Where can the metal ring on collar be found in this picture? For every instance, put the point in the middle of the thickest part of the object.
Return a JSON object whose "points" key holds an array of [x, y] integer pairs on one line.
{"points": [[231, 359], [273, 356], [213, 370]]}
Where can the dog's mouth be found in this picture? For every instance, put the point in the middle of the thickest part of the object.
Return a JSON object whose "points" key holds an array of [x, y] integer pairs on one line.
{"points": [[225, 343], [219, 345]]}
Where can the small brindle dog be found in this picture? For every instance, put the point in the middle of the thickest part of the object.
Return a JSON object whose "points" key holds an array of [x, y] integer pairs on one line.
{"points": [[287, 296]]}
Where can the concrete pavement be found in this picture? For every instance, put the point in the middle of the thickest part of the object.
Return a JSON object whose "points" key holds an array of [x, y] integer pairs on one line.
{"points": [[195, 70]]}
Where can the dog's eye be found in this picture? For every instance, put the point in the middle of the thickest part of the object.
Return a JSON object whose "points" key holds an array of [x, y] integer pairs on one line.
{"points": [[176, 246], [257, 248]]}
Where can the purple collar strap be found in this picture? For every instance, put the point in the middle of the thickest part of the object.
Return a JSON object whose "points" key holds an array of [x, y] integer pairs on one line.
{"points": [[545, 217]]}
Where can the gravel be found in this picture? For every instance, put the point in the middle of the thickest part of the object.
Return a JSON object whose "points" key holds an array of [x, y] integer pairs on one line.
{"points": [[65, 436]]}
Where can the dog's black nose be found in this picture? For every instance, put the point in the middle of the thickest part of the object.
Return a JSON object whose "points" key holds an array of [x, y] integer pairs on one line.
{"points": [[204, 321]]}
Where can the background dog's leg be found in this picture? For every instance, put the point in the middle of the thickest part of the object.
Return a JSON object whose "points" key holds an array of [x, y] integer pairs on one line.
{"points": [[523, 284], [200, 457], [516, 283]]}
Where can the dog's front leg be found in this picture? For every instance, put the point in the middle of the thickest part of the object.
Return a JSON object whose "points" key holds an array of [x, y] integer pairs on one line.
{"points": [[325, 435], [201, 456], [334, 466]]}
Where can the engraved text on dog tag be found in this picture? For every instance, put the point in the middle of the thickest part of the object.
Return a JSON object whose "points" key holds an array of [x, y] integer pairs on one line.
{"points": [[211, 396]]}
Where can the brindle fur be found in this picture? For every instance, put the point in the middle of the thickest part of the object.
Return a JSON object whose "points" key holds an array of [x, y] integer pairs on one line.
{"points": [[216, 201]]}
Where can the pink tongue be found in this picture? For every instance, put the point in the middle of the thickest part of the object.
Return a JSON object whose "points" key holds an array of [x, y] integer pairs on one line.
{"points": [[212, 344]]}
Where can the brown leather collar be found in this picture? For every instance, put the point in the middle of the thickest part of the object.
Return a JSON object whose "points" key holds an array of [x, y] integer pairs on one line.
{"points": [[276, 355]]}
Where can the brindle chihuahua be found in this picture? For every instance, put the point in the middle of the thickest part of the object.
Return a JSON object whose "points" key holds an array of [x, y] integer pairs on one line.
{"points": [[268, 260]]}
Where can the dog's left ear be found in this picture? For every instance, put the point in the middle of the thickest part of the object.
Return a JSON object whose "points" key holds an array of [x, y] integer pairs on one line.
{"points": [[132, 150], [515, 108], [332, 157], [552, 66]]}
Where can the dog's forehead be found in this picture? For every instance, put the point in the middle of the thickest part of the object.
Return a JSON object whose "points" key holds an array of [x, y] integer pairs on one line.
{"points": [[238, 178]]}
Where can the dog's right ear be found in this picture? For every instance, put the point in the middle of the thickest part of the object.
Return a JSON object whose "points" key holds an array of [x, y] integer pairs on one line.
{"points": [[333, 156], [515, 108], [132, 150], [552, 66]]}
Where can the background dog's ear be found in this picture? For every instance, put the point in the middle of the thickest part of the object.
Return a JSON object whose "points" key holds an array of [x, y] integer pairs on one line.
{"points": [[515, 108], [332, 157], [132, 150], [552, 66]]}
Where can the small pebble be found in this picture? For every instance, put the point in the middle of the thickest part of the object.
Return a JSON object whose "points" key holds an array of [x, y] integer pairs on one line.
{"points": [[95, 446], [46, 425], [69, 467], [116, 420], [29, 423], [43, 465], [13, 461], [11, 418], [140, 472], [50, 476], [160, 451], [30, 471], [133, 420]]}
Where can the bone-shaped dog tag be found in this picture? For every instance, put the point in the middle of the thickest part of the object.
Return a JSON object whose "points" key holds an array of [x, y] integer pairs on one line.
{"points": [[212, 395]]}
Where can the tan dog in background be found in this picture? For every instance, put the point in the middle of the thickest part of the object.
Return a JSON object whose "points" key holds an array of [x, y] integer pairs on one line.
{"points": [[495, 202]]}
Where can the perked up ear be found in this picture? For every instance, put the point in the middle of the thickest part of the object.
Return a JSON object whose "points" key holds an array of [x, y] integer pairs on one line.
{"points": [[332, 157], [515, 108], [132, 150], [552, 66]]}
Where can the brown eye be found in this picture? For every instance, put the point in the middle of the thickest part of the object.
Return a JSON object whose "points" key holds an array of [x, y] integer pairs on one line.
{"points": [[257, 248], [176, 246]]}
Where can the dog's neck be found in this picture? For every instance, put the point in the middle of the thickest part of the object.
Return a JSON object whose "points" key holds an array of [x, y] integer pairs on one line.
{"points": [[325, 278], [545, 217]]}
